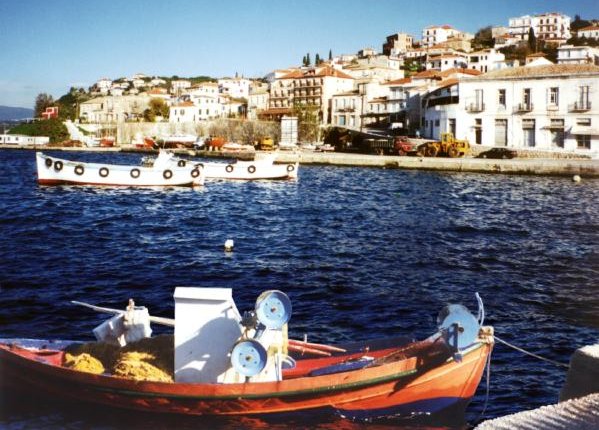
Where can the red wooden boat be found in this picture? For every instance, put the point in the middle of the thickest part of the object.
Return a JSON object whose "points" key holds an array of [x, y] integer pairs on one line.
{"points": [[392, 377]]}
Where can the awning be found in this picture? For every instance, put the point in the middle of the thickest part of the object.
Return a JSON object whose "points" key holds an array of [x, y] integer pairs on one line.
{"points": [[584, 130]]}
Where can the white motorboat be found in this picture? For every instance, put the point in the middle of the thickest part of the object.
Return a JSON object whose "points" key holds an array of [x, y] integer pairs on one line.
{"points": [[250, 170], [164, 172]]}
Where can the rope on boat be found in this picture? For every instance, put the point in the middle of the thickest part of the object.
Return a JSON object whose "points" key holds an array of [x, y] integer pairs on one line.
{"points": [[487, 391], [556, 363]]}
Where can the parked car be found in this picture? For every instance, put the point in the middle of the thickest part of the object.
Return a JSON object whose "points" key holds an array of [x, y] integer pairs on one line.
{"points": [[499, 153]]}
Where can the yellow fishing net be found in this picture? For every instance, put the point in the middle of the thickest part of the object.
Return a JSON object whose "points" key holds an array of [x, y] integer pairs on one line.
{"points": [[150, 359]]}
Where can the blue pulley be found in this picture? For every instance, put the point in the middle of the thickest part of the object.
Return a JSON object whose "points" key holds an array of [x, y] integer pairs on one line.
{"points": [[461, 328], [248, 357], [273, 309]]}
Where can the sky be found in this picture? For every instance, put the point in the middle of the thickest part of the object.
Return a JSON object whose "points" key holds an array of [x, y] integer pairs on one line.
{"points": [[50, 46]]}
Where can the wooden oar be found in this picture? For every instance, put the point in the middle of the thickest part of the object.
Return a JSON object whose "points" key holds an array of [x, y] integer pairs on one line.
{"points": [[303, 350], [318, 346], [158, 320]]}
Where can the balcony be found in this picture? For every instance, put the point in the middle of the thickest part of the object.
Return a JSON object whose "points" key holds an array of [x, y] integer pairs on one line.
{"points": [[580, 106], [475, 107], [523, 107]]}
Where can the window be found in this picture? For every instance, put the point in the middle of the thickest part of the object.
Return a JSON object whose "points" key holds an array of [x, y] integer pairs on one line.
{"points": [[478, 131], [526, 98], [528, 132], [554, 96], [501, 98], [583, 121], [436, 123], [583, 141], [583, 97], [452, 125]]}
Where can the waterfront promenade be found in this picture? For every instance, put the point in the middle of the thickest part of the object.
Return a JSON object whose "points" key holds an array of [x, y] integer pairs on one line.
{"points": [[528, 166]]}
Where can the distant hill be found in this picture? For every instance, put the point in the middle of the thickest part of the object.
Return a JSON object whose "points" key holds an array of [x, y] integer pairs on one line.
{"points": [[8, 113]]}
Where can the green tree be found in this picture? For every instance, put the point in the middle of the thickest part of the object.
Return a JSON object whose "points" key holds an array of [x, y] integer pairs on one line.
{"points": [[304, 61], [317, 60], [53, 128], [42, 101], [330, 55], [157, 107], [308, 61], [307, 121], [579, 23], [532, 40], [483, 38]]}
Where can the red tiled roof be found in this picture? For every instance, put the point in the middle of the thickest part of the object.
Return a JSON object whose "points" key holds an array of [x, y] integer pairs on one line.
{"points": [[447, 83], [400, 81], [448, 72], [184, 104], [589, 28], [317, 73]]}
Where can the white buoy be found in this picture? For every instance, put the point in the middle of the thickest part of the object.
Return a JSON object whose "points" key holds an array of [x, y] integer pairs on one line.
{"points": [[229, 245], [576, 178]]}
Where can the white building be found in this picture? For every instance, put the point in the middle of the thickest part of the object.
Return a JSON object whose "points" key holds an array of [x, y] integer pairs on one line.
{"points": [[103, 85], [544, 107], [446, 62], [441, 109], [237, 88], [398, 44], [485, 60], [568, 54], [19, 139], [551, 27], [110, 109], [257, 101], [590, 32], [184, 112], [436, 34], [157, 81], [312, 87], [179, 86]]}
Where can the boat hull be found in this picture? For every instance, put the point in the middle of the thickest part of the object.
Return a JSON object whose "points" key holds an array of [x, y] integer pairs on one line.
{"points": [[369, 392], [56, 171], [250, 170]]}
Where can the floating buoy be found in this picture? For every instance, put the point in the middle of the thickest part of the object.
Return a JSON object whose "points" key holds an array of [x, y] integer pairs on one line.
{"points": [[229, 245], [576, 178]]}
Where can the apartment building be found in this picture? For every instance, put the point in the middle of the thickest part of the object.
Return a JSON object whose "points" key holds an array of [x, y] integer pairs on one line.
{"points": [[398, 44], [111, 109], [485, 60], [590, 32], [551, 27], [547, 107], [237, 88], [309, 87], [569, 54], [436, 34]]}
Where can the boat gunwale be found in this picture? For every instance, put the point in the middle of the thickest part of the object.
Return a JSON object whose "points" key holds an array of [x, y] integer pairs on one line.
{"points": [[236, 391]]}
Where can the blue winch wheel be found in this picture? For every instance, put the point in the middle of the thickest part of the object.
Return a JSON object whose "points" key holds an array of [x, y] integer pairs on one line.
{"points": [[273, 309], [248, 357], [460, 326]]}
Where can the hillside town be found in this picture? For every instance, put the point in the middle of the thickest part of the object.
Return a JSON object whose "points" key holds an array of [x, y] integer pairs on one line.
{"points": [[444, 82]]}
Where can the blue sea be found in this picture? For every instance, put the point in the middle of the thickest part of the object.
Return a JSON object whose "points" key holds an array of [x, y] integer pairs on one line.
{"points": [[361, 252]]}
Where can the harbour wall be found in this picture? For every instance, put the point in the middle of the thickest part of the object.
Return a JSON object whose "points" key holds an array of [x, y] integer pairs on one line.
{"points": [[586, 168], [529, 166]]}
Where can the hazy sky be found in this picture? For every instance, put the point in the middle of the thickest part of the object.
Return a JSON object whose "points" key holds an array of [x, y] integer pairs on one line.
{"points": [[49, 46]]}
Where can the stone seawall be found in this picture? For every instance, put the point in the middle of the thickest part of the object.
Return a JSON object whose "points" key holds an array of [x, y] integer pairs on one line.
{"points": [[529, 166]]}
